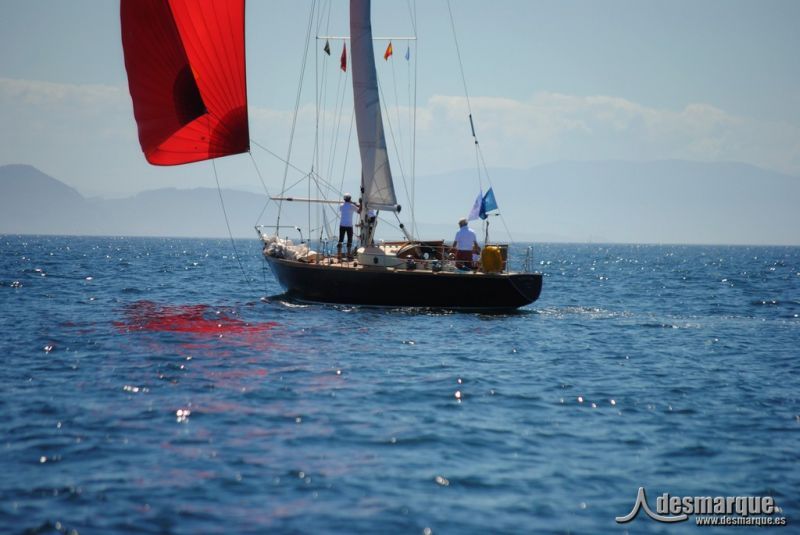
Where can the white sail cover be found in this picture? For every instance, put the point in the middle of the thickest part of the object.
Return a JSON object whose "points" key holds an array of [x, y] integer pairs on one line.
{"points": [[376, 175]]}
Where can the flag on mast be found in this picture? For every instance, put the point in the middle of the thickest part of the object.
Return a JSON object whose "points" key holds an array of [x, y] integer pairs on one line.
{"points": [[475, 211], [408, 52], [488, 203], [344, 58], [388, 52], [327, 47]]}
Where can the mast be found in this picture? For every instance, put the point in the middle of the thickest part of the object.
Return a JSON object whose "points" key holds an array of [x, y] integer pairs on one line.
{"points": [[377, 188]]}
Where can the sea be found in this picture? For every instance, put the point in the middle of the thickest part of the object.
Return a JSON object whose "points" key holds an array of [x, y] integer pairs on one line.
{"points": [[155, 385]]}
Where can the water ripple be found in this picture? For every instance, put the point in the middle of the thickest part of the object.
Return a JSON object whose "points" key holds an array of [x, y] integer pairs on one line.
{"points": [[147, 388]]}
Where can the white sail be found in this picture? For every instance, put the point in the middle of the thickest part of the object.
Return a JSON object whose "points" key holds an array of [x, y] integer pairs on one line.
{"points": [[376, 176]]}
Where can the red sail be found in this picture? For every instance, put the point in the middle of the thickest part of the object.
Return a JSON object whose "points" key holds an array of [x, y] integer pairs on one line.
{"points": [[186, 74]]}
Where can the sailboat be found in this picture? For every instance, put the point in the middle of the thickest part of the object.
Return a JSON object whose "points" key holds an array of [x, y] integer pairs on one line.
{"points": [[185, 61]]}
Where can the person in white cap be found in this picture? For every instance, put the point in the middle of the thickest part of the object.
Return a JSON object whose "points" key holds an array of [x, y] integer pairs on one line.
{"points": [[465, 243], [346, 211]]}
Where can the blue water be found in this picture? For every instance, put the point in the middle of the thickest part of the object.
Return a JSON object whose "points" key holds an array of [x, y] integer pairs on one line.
{"points": [[148, 387]]}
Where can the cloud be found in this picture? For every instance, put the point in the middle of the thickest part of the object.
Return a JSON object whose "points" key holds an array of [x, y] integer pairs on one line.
{"points": [[554, 126], [84, 135], [50, 94], [46, 111], [67, 129]]}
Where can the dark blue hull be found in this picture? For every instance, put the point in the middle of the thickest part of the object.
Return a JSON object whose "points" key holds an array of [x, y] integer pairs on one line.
{"points": [[401, 288]]}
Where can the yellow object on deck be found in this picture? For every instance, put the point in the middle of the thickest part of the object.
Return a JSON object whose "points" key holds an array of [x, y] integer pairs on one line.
{"points": [[491, 259]]}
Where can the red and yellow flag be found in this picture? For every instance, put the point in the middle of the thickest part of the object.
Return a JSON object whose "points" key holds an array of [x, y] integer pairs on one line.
{"points": [[344, 58], [388, 52]]}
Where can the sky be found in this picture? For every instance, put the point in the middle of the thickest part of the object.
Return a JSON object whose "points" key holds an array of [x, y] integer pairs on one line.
{"points": [[639, 80]]}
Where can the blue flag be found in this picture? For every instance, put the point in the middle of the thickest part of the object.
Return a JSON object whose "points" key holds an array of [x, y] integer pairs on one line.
{"points": [[408, 53], [488, 203]]}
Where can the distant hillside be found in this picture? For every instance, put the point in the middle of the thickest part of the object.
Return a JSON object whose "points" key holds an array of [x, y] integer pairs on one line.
{"points": [[634, 202], [35, 203], [174, 212]]}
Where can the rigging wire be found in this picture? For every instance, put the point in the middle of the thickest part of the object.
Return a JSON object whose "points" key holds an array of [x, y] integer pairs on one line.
{"points": [[413, 16], [394, 139], [315, 176], [224, 210], [322, 105], [330, 187], [347, 147], [460, 63], [304, 176], [466, 92], [397, 114], [478, 152], [414, 126], [341, 93], [322, 210], [227, 222], [328, 161], [413, 112], [315, 164], [320, 86], [294, 167], [264, 184], [278, 157], [297, 102], [344, 163], [315, 150], [255, 165], [502, 219]]}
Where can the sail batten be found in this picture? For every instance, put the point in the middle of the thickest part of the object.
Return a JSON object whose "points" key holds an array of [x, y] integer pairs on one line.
{"points": [[378, 188], [186, 74]]}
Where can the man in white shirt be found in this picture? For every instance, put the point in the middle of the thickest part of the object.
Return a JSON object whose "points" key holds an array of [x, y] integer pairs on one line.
{"points": [[465, 243], [346, 211]]}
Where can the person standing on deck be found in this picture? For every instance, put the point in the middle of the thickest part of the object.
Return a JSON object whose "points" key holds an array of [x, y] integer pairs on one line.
{"points": [[465, 243], [346, 211]]}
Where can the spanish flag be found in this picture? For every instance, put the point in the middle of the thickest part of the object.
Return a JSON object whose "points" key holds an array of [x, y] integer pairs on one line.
{"points": [[344, 58], [388, 52]]}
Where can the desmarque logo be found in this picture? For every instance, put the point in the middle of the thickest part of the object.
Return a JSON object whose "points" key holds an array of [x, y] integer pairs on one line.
{"points": [[709, 510]]}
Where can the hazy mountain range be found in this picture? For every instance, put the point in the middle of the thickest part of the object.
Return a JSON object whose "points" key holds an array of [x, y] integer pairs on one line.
{"points": [[634, 202]]}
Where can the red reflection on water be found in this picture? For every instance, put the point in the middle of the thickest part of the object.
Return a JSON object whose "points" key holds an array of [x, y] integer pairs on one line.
{"points": [[195, 319], [203, 337]]}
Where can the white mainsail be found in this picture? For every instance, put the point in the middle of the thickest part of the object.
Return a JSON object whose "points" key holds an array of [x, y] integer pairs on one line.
{"points": [[376, 176]]}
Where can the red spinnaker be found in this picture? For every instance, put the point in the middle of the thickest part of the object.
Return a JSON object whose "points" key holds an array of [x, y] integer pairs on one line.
{"points": [[186, 73]]}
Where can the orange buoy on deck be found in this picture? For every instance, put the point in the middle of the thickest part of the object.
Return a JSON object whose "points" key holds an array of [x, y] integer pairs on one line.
{"points": [[491, 259]]}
